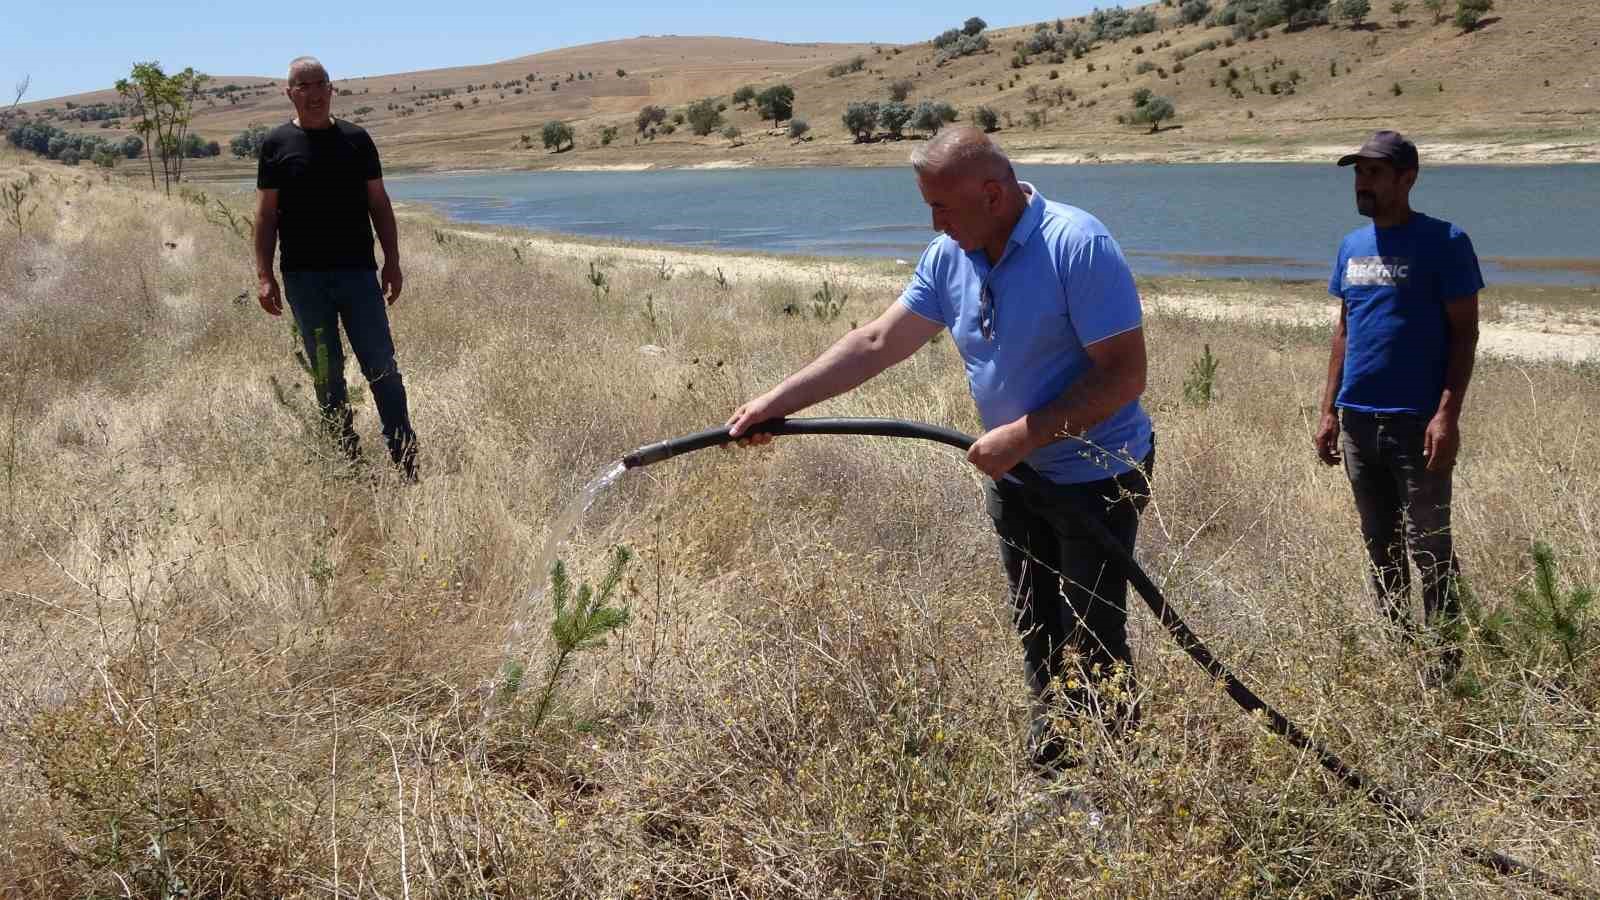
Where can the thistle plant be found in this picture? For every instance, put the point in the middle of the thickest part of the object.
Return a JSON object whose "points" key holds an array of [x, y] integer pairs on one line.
{"points": [[14, 204], [597, 280], [827, 303]]}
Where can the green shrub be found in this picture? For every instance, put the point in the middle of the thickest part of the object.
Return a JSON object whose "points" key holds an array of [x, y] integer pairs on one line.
{"points": [[1470, 12]]}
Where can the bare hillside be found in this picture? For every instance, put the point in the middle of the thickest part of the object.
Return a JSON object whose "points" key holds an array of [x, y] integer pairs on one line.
{"points": [[1521, 87]]}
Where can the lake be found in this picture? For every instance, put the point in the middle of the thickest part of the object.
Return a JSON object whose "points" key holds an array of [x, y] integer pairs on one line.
{"points": [[1530, 224]]}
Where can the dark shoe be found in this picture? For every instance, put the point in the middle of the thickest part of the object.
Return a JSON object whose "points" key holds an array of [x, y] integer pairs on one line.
{"points": [[405, 459], [1441, 671], [1048, 749]]}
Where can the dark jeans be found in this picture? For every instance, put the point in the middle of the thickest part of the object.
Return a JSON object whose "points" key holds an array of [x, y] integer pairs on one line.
{"points": [[1068, 594], [1403, 507], [320, 301]]}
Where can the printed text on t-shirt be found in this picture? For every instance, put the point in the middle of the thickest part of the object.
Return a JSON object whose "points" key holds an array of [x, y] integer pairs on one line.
{"points": [[1390, 271]]}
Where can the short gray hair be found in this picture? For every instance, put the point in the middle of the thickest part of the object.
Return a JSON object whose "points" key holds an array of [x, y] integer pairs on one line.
{"points": [[962, 150], [306, 64]]}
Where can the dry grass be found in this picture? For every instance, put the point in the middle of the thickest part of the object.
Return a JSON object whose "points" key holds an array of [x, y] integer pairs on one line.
{"points": [[229, 665]]}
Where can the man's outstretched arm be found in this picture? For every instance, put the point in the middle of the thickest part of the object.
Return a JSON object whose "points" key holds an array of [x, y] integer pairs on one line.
{"points": [[855, 358]]}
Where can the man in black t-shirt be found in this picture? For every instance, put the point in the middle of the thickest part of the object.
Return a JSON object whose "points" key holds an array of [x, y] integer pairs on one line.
{"points": [[320, 195]]}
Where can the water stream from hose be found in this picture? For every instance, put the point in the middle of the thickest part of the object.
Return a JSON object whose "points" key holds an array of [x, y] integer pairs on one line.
{"points": [[531, 608]]}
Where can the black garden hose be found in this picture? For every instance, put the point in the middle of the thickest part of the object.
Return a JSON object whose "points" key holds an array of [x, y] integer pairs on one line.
{"points": [[1242, 695]]}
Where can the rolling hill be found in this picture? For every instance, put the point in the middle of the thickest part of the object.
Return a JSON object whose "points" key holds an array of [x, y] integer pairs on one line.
{"points": [[1524, 86]]}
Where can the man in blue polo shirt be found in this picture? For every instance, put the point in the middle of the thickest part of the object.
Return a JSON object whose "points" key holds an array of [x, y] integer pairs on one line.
{"points": [[1397, 377], [1043, 310]]}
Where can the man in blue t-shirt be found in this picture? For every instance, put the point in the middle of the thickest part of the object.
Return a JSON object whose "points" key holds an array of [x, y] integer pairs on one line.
{"points": [[1042, 308], [1397, 377]]}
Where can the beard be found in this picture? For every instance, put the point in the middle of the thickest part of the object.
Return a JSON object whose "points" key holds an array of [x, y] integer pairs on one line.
{"points": [[1366, 203]]}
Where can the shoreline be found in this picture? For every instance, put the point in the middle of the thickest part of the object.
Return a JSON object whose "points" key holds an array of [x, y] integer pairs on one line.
{"points": [[1521, 323], [1444, 154]]}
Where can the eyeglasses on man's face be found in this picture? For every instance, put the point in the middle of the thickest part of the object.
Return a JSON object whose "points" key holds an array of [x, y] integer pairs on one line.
{"points": [[307, 87]]}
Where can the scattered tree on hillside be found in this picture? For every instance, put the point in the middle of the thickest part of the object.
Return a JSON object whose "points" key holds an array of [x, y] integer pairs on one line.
{"points": [[650, 115], [973, 26], [197, 147], [622, 73], [22, 88], [1399, 7], [743, 95], [63, 146], [855, 64], [859, 118], [986, 118], [893, 116], [932, 115], [608, 134], [776, 103], [900, 89], [1355, 11], [1193, 11], [1117, 23], [798, 128], [1250, 16], [1436, 7], [1155, 111], [963, 45], [703, 116], [247, 143], [555, 134], [1470, 12], [731, 133]]}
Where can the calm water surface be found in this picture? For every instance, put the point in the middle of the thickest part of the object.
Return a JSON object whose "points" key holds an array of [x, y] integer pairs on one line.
{"points": [[1532, 224]]}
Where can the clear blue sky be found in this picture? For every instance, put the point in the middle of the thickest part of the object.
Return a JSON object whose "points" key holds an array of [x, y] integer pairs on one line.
{"points": [[72, 46]]}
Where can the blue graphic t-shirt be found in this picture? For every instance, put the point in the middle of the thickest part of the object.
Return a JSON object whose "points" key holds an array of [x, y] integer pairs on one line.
{"points": [[1061, 285], [1395, 283]]}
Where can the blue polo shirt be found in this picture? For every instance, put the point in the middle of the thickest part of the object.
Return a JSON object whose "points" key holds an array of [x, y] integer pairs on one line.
{"points": [[1061, 285], [1395, 283]]}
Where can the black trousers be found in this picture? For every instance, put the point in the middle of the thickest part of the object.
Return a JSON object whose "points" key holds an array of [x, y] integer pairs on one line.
{"points": [[1069, 597]]}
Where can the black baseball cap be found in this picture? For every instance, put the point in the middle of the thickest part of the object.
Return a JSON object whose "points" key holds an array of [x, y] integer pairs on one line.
{"points": [[1387, 145]]}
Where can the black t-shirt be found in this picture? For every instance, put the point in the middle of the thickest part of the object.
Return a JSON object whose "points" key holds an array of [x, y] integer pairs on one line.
{"points": [[321, 178]]}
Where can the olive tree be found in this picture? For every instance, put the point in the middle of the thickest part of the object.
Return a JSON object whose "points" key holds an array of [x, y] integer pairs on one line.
{"points": [[703, 116], [859, 118], [555, 134], [776, 103]]}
